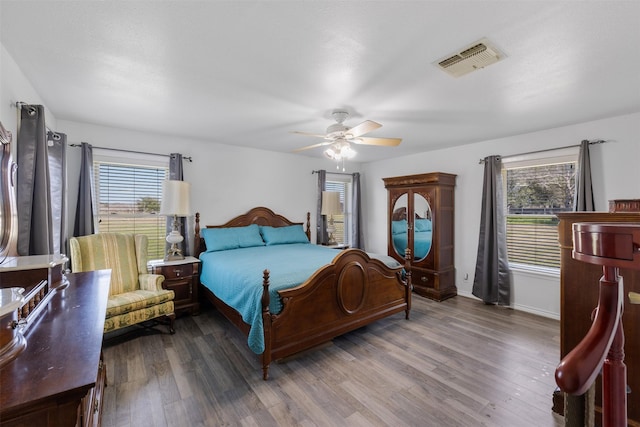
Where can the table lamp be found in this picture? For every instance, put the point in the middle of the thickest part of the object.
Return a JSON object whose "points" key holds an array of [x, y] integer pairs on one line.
{"points": [[331, 207], [176, 202]]}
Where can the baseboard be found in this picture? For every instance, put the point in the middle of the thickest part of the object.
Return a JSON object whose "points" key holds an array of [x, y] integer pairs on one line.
{"points": [[537, 311], [519, 307]]}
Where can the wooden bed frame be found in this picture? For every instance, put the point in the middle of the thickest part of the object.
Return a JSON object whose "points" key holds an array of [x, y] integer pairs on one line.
{"points": [[351, 292]]}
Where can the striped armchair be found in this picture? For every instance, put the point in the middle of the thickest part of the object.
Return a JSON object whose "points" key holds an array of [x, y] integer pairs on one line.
{"points": [[135, 296]]}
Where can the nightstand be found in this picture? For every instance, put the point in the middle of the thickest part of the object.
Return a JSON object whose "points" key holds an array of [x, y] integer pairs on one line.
{"points": [[338, 246], [183, 278]]}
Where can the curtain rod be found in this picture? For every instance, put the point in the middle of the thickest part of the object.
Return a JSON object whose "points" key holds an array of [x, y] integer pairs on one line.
{"points": [[599, 141], [133, 151], [334, 173], [20, 104]]}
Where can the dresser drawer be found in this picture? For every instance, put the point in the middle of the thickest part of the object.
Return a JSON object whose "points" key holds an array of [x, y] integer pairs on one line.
{"points": [[422, 278], [176, 271], [183, 289]]}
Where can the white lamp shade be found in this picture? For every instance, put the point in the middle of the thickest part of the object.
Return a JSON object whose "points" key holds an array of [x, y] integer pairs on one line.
{"points": [[331, 203], [176, 198]]}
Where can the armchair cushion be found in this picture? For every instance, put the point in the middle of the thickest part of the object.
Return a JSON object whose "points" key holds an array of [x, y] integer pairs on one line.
{"points": [[136, 300]]}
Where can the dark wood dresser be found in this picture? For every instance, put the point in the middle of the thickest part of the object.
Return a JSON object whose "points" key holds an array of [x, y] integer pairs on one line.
{"points": [[57, 380], [579, 296]]}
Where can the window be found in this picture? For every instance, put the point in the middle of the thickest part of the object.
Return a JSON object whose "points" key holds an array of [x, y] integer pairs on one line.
{"points": [[128, 199], [536, 189], [342, 222]]}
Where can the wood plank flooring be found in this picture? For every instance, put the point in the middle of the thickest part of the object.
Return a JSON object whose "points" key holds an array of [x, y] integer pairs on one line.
{"points": [[454, 363]]}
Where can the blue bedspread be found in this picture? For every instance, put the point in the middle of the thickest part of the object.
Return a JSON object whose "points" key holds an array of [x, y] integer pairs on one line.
{"points": [[235, 277]]}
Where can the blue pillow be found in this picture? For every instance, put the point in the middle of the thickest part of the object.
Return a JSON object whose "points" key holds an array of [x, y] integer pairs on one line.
{"points": [[222, 239], [249, 236], [283, 235], [423, 225], [398, 227]]}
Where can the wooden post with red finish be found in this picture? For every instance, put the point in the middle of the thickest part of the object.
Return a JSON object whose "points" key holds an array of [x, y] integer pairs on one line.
{"points": [[612, 246]]}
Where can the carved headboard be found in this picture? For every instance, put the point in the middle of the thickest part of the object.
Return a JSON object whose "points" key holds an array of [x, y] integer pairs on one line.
{"points": [[259, 215]]}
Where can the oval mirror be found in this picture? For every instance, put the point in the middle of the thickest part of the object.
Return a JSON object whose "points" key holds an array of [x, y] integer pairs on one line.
{"points": [[422, 227], [7, 199], [399, 225]]}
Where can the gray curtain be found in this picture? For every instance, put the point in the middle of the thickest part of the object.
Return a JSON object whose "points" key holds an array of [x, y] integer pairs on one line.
{"points": [[84, 222], [357, 238], [321, 226], [57, 153], [176, 173], [583, 201], [578, 409], [492, 282], [41, 168]]}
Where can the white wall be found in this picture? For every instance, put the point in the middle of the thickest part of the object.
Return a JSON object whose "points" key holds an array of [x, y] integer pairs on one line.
{"points": [[226, 180], [616, 175], [14, 87]]}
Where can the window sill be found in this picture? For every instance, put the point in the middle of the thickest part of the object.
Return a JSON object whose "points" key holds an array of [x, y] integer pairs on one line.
{"points": [[535, 270]]}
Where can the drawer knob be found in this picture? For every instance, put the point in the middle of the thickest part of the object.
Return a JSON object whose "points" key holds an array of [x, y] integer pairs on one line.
{"points": [[177, 271], [424, 278]]}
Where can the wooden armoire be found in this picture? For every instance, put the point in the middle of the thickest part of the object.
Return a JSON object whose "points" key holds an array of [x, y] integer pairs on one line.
{"points": [[579, 296], [421, 218]]}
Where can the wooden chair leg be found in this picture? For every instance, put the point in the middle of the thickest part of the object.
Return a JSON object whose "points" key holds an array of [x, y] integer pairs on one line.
{"points": [[172, 318]]}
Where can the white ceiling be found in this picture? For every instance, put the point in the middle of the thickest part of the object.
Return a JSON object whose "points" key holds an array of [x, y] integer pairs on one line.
{"points": [[248, 72]]}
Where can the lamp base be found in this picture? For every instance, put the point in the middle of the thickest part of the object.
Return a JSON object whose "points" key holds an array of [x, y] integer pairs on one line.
{"points": [[330, 230], [174, 254], [331, 240]]}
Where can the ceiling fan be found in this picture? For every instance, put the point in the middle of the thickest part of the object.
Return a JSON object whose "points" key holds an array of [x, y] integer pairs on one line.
{"points": [[339, 137]]}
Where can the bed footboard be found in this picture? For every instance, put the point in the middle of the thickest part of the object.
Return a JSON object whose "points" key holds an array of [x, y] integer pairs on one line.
{"points": [[351, 292]]}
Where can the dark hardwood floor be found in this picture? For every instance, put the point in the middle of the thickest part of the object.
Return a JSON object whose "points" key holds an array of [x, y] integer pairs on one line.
{"points": [[455, 363]]}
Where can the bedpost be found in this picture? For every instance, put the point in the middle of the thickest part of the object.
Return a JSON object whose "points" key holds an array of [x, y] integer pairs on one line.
{"points": [[196, 240], [266, 325], [308, 230], [409, 287]]}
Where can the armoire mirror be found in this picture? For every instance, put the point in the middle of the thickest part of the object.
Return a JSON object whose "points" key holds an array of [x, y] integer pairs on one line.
{"points": [[422, 227], [399, 231], [420, 240], [7, 197]]}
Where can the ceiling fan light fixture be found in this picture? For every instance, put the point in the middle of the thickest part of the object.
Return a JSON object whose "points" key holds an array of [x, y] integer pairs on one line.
{"points": [[347, 152], [340, 150], [338, 138], [330, 154]]}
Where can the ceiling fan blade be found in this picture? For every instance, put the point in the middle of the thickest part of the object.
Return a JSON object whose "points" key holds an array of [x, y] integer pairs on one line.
{"points": [[364, 127], [307, 133], [387, 142], [308, 147]]}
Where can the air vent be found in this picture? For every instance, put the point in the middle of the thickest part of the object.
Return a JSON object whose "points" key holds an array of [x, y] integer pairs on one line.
{"points": [[473, 57]]}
